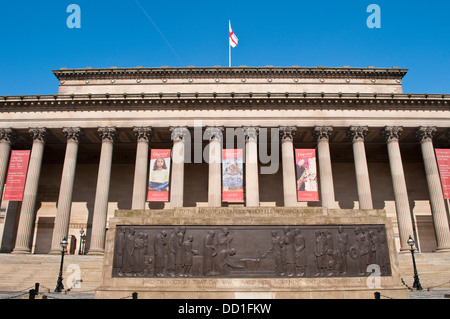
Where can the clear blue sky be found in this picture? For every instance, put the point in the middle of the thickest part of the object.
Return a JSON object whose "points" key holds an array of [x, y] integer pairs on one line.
{"points": [[34, 37]]}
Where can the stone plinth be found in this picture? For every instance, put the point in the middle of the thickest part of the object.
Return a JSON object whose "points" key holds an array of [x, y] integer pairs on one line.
{"points": [[152, 233]]}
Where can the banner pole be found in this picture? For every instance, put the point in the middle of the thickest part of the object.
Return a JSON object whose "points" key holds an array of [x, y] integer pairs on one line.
{"points": [[229, 55]]}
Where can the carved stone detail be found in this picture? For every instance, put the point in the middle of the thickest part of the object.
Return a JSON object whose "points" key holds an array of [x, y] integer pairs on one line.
{"points": [[143, 133], [426, 133], [251, 132], [214, 133], [178, 133], [357, 133], [109, 134], [392, 133], [38, 134], [8, 135], [72, 134], [273, 251], [322, 133], [287, 132]]}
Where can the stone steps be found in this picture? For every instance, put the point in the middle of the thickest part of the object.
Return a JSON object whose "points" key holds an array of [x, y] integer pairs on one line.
{"points": [[19, 272]]}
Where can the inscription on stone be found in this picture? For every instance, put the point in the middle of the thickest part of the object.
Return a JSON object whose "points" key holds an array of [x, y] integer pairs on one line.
{"points": [[250, 251]]}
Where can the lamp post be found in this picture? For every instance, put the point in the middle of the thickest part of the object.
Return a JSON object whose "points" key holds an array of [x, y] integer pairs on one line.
{"points": [[59, 285], [82, 241], [416, 283]]}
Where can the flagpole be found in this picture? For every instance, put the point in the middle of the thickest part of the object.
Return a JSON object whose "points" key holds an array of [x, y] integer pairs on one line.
{"points": [[229, 45]]}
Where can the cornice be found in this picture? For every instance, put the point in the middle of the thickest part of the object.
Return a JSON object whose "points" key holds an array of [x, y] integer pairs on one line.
{"points": [[218, 72], [239, 100]]}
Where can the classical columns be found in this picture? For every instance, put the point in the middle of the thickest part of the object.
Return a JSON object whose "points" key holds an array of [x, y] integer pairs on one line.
{"points": [[437, 203], [27, 213], [108, 136], [322, 135], [357, 134], [66, 189], [7, 138], [214, 134], [177, 187], [391, 135], [287, 153], [251, 166], [143, 136]]}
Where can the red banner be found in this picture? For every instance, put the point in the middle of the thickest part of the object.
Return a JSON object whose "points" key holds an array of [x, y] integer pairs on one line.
{"points": [[443, 160], [17, 174], [232, 175], [158, 186], [305, 165]]}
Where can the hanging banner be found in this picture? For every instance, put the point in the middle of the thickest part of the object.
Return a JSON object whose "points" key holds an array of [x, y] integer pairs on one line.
{"points": [[232, 175], [443, 160], [17, 174], [158, 186], [305, 165]]}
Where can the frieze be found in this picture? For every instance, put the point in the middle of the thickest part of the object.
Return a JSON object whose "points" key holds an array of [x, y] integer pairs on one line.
{"points": [[250, 251]]}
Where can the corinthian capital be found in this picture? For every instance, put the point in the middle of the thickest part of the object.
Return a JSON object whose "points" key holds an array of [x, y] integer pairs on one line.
{"points": [[72, 134], [178, 133], [357, 133], [7, 135], [108, 134], [426, 133], [287, 132], [38, 134], [251, 132], [392, 133], [143, 133], [214, 133], [322, 133]]}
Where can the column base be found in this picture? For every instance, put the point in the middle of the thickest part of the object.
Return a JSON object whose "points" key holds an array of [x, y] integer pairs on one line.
{"points": [[443, 250], [95, 252], [21, 251], [55, 252]]}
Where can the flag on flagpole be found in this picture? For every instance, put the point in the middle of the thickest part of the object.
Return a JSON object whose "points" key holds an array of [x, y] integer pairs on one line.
{"points": [[233, 37]]}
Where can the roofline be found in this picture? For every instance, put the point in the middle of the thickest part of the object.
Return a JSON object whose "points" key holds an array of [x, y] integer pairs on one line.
{"points": [[293, 71]]}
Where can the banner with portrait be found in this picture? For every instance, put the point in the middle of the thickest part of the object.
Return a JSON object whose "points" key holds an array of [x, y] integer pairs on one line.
{"points": [[159, 176], [17, 174], [232, 175], [443, 160], [306, 171]]}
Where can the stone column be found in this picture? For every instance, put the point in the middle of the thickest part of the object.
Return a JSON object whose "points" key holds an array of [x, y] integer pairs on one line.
{"points": [[357, 134], [214, 134], [27, 213], [437, 202], [287, 153], [108, 136], [405, 227], [7, 138], [177, 186], [251, 166], [143, 136], [62, 220], [322, 135]]}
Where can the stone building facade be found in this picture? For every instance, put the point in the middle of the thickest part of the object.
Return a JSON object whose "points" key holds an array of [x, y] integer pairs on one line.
{"points": [[90, 147]]}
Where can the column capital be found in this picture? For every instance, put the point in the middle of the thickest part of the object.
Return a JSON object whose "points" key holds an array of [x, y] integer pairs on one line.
{"points": [[287, 133], [108, 134], [322, 133], [143, 133], [426, 133], [251, 132], [38, 134], [72, 134], [7, 135], [357, 133], [214, 133], [392, 133], [178, 133]]}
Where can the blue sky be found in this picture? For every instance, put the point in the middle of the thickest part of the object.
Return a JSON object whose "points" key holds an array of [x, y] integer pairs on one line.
{"points": [[35, 39]]}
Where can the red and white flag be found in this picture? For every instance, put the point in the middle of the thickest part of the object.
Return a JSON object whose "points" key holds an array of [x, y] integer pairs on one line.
{"points": [[233, 37]]}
